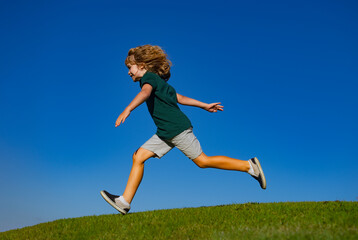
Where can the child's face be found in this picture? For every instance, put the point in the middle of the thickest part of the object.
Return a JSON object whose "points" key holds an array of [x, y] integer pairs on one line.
{"points": [[136, 72]]}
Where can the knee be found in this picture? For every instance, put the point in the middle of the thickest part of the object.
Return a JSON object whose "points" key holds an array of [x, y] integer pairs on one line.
{"points": [[201, 161], [138, 158]]}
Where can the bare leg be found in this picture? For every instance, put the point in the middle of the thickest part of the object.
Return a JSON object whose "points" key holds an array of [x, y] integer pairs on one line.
{"points": [[221, 162], [136, 174]]}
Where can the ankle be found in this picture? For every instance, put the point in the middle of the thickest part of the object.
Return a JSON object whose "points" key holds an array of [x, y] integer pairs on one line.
{"points": [[251, 169], [126, 199], [123, 201], [247, 166]]}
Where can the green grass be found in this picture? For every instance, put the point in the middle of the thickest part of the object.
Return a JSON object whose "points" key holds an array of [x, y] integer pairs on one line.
{"points": [[291, 220]]}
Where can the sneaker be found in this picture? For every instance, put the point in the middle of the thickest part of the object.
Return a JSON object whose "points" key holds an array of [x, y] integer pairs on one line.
{"points": [[122, 208], [260, 177]]}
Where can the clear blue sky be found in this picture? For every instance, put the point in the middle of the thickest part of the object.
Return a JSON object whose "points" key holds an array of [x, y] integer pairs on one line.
{"points": [[285, 71]]}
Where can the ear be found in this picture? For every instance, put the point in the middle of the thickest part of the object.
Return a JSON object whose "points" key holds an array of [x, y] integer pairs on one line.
{"points": [[142, 66]]}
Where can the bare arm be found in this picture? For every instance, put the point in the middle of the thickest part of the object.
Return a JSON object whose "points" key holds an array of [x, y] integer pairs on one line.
{"points": [[141, 97], [212, 107]]}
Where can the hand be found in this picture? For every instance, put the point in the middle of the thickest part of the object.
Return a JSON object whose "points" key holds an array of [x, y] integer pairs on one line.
{"points": [[122, 117], [214, 107]]}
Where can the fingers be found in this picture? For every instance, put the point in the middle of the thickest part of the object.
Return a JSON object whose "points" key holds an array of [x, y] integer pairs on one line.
{"points": [[121, 119], [216, 106]]}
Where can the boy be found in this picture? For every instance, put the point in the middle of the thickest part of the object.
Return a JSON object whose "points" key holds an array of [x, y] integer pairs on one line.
{"points": [[150, 66]]}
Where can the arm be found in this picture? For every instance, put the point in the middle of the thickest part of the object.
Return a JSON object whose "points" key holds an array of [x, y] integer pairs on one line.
{"points": [[141, 97], [212, 107]]}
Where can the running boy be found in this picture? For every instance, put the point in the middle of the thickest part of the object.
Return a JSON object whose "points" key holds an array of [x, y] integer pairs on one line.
{"points": [[150, 66]]}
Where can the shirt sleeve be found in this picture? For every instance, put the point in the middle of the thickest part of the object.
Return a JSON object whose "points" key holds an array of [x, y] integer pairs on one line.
{"points": [[148, 79]]}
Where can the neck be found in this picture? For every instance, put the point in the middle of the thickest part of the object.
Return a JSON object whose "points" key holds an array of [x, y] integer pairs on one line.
{"points": [[141, 72]]}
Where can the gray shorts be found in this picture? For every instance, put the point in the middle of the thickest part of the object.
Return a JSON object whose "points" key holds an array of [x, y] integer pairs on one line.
{"points": [[184, 141]]}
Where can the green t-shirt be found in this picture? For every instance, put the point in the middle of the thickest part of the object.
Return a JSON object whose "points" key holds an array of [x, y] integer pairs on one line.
{"points": [[163, 107]]}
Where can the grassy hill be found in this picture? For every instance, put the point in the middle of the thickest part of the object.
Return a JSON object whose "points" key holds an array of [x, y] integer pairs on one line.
{"points": [[291, 220]]}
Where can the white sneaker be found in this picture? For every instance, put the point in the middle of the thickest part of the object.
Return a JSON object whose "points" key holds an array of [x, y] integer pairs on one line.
{"points": [[122, 208], [260, 177]]}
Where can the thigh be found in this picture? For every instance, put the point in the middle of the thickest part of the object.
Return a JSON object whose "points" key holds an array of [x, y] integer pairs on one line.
{"points": [[188, 144], [158, 146]]}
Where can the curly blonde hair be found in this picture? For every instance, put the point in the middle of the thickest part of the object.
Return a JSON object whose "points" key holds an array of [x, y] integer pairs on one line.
{"points": [[153, 58]]}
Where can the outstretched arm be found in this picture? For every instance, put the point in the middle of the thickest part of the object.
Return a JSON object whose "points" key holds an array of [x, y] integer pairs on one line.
{"points": [[212, 107], [141, 97]]}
